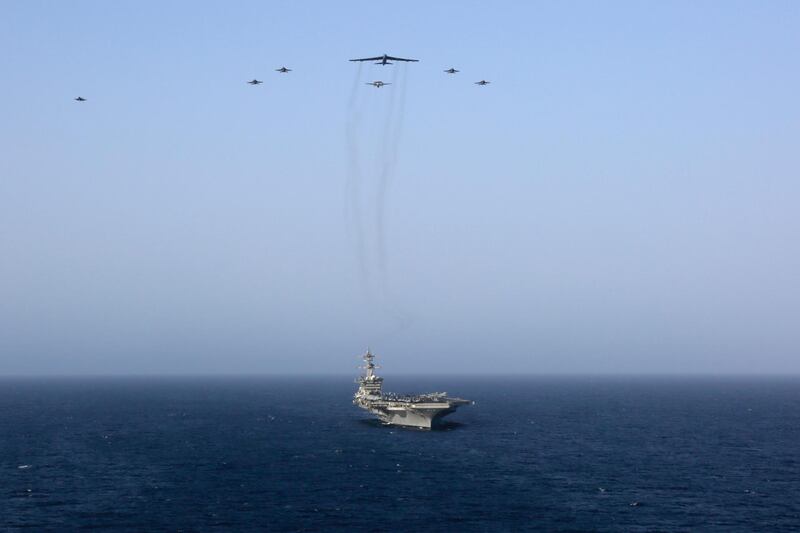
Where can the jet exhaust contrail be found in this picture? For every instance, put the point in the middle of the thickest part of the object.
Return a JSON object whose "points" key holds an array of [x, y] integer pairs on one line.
{"points": [[353, 211], [367, 224], [391, 144]]}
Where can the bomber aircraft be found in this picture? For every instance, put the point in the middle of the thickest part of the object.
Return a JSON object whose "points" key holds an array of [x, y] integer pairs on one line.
{"points": [[452, 71], [385, 59], [482, 82], [80, 99], [254, 81], [378, 84], [283, 70]]}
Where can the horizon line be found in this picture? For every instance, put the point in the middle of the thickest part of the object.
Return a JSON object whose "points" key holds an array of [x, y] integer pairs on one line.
{"points": [[399, 374]]}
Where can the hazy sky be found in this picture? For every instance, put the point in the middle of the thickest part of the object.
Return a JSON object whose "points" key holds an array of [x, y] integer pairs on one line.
{"points": [[624, 196]]}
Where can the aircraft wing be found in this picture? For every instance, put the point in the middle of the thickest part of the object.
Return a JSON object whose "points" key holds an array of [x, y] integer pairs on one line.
{"points": [[368, 59], [401, 59]]}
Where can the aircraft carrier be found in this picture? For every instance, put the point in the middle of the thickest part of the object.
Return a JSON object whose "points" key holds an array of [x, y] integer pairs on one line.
{"points": [[417, 410]]}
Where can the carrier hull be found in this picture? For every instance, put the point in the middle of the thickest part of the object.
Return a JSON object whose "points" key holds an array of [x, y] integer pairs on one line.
{"points": [[423, 417]]}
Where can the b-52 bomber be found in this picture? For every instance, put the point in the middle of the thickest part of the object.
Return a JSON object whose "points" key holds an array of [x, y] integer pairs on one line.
{"points": [[385, 59], [255, 82], [377, 84]]}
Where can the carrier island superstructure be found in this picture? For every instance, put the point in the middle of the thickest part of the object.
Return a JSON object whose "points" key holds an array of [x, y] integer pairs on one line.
{"points": [[417, 410]]}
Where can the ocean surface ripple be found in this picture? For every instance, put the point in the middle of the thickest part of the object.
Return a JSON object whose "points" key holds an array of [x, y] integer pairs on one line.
{"points": [[293, 454]]}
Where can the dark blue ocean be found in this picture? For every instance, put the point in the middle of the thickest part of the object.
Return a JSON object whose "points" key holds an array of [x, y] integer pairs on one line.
{"points": [[293, 454]]}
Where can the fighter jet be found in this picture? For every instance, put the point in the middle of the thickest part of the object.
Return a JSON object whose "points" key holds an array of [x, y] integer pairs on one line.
{"points": [[385, 59], [254, 81], [284, 70], [80, 99], [377, 84], [452, 71], [482, 82]]}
